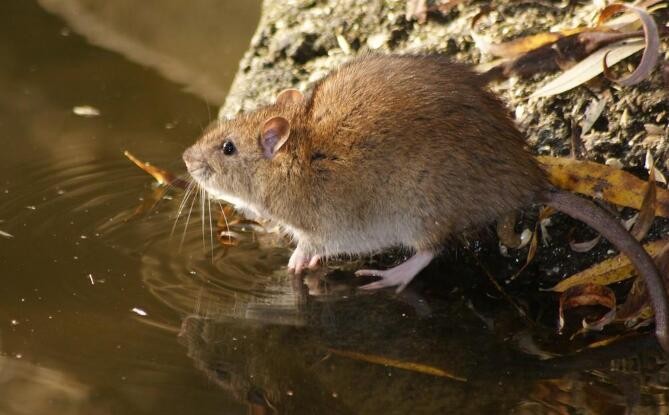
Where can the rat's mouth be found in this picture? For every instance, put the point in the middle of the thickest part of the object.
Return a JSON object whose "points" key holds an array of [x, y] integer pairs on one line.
{"points": [[201, 172]]}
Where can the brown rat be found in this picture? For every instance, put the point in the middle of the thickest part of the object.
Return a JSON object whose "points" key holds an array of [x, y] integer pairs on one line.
{"points": [[399, 150]]}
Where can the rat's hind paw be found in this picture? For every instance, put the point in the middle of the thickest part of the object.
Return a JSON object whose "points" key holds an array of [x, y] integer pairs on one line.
{"points": [[389, 278], [400, 275]]}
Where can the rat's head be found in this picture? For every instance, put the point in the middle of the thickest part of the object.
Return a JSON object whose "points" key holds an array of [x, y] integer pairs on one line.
{"points": [[235, 158]]}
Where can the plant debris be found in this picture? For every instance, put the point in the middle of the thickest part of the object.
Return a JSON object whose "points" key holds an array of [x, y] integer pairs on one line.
{"points": [[162, 177], [588, 295], [609, 271], [584, 52], [647, 210], [603, 182], [399, 364], [651, 50]]}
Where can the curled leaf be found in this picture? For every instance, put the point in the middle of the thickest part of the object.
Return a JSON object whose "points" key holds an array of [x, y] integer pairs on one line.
{"points": [[587, 295], [625, 20], [651, 51], [601, 181], [585, 246], [589, 67]]}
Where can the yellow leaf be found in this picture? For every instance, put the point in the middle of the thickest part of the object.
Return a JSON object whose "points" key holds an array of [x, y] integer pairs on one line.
{"points": [[601, 181], [608, 271], [400, 364]]}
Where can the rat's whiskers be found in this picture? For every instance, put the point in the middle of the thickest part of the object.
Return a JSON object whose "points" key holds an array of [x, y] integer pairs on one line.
{"points": [[225, 219], [182, 204], [190, 211], [211, 228]]}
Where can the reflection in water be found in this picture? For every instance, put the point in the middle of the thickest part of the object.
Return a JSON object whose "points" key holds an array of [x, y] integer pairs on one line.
{"points": [[80, 261], [290, 370], [40, 390]]}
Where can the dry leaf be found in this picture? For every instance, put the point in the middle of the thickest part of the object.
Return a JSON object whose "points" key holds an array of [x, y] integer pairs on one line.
{"points": [[587, 295], [647, 211], [637, 306], [522, 45], [162, 177], [400, 364], [585, 246], [594, 111], [589, 67], [651, 51], [602, 181], [627, 19], [608, 271], [577, 148]]}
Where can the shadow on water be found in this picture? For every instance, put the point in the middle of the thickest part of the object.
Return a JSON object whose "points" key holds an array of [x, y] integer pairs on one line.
{"points": [[102, 315]]}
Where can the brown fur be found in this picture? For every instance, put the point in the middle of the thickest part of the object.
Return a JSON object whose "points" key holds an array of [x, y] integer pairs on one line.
{"points": [[410, 143]]}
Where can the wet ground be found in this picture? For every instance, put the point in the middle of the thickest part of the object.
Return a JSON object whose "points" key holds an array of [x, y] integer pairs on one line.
{"points": [[103, 311]]}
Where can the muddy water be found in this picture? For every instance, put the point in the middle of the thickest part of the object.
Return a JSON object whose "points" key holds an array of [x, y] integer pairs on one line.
{"points": [[104, 310]]}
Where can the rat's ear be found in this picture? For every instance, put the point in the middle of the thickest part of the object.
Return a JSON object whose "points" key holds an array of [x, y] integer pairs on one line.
{"points": [[274, 134], [289, 96]]}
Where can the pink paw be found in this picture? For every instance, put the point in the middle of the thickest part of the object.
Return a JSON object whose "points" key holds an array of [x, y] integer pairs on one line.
{"points": [[389, 278], [299, 261], [400, 275]]}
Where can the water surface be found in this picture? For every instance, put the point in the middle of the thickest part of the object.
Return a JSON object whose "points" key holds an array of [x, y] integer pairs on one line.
{"points": [[103, 311]]}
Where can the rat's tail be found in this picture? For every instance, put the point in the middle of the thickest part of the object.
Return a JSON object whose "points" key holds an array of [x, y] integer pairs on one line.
{"points": [[604, 223]]}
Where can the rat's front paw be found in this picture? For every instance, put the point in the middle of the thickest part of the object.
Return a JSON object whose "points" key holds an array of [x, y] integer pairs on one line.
{"points": [[299, 261]]}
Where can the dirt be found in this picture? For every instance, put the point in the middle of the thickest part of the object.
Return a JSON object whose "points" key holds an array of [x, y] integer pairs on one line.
{"points": [[299, 41]]}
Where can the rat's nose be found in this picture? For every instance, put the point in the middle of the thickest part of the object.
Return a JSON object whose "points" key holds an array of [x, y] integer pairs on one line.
{"points": [[190, 157], [195, 161]]}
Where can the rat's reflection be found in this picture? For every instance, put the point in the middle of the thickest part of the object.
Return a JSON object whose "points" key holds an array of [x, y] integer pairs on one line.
{"points": [[274, 367]]}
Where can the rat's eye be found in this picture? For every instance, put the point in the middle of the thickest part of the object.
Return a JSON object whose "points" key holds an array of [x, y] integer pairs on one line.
{"points": [[228, 148]]}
